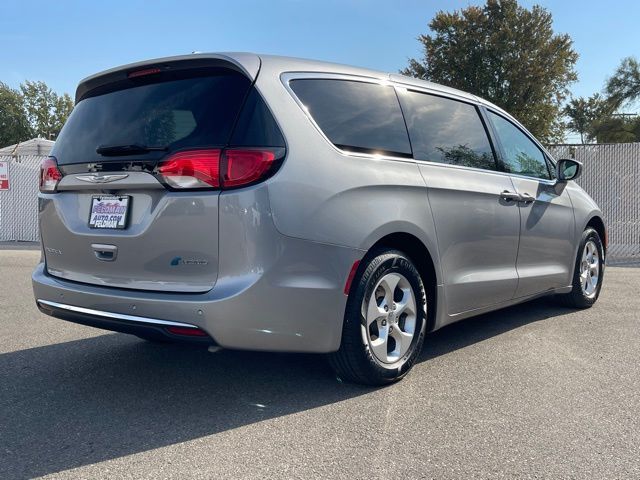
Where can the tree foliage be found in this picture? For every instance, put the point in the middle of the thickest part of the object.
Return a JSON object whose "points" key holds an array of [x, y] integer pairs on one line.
{"points": [[46, 110], [33, 110], [616, 129], [584, 112], [14, 125], [623, 87], [594, 118], [506, 54]]}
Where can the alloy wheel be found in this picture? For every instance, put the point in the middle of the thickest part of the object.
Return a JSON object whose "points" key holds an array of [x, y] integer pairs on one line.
{"points": [[589, 269], [390, 318]]}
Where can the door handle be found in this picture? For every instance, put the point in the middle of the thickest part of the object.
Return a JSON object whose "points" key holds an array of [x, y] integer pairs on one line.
{"points": [[510, 196], [106, 253], [526, 198]]}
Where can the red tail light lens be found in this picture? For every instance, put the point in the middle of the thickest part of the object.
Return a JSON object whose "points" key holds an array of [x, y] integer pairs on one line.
{"points": [[242, 167], [192, 169], [50, 175], [229, 168], [187, 332]]}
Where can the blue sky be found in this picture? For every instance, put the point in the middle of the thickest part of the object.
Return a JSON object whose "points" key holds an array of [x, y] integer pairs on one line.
{"points": [[63, 41]]}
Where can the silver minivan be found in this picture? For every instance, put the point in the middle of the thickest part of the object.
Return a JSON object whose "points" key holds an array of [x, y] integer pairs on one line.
{"points": [[258, 202]]}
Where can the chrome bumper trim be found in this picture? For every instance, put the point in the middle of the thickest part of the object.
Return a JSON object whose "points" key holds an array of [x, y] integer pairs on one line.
{"points": [[117, 316]]}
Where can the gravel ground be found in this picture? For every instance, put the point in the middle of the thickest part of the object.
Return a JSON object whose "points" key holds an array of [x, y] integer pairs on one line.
{"points": [[533, 391]]}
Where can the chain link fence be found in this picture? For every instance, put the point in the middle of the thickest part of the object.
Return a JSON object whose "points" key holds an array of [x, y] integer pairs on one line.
{"points": [[19, 204], [611, 175]]}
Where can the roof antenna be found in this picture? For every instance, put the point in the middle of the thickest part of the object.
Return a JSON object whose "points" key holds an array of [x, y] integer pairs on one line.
{"points": [[196, 51]]}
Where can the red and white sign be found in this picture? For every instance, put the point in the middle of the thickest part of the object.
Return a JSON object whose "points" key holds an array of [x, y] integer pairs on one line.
{"points": [[4, 175]]}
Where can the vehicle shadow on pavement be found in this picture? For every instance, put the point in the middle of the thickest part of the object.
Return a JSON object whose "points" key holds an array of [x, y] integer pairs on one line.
{"points": [[476, 329], [81, 402]]}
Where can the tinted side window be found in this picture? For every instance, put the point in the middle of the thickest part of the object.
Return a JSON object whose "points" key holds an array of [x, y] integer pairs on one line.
{"points": [[446, 131], [356, 115], [256, 126], [521, 155]]}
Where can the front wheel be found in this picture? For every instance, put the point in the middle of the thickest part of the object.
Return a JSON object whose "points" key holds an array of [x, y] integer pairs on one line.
{"points": [[385, 321], [588, 272]]}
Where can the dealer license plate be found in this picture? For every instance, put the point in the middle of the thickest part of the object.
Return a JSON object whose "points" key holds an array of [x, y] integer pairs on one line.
{"points": [[109, 211]]}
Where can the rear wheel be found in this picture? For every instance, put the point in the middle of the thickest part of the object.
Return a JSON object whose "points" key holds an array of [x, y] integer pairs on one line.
{"points": [[588, 272], [384, 323]]}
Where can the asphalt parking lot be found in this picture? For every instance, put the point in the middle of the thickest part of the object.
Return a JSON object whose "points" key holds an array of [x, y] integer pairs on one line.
{"points": [[533, 391]]}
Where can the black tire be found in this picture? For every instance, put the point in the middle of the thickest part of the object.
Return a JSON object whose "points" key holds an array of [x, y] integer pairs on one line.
{"points": [[355, 361], [577, 298]]}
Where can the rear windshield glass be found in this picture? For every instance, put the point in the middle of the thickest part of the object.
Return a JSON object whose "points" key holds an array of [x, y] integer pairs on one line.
{"points": [[197, 111], [356, 115]]}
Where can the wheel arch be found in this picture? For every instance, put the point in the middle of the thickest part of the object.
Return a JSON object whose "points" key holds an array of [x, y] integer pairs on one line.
{"points": [[422, 259], [598, 225]]}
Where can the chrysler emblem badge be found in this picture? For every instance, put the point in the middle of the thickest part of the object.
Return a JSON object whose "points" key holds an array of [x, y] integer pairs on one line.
{"points": [[101, 178]]}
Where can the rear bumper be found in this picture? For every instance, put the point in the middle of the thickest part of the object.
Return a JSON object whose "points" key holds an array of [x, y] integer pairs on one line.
{"points": [[294, 303], [133, 324]]}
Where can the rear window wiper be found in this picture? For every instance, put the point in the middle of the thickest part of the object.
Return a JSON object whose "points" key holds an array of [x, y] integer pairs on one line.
{"points": [[118, 150]]}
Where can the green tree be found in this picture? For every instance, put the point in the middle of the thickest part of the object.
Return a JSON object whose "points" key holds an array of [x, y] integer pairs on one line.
{"points": [[624, 86], [584, 112], [616, 129], [506, 54], [14, 125], [46, 110], [62, 108]]}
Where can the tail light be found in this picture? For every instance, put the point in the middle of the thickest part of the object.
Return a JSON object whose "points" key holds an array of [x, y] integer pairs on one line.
{"points": [[243, 167], [218, 169], [192, 169], [50, 175], [187, 332]]}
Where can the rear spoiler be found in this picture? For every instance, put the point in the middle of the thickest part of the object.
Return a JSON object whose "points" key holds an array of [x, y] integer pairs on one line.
{"points": [[246, 63]]}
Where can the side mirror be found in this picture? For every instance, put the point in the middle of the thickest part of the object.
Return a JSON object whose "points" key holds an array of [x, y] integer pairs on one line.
{"points": [[568, 169]]}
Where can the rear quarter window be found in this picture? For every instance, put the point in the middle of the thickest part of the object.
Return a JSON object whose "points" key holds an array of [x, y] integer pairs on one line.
{"points": [[354, 115], [256, 126]]}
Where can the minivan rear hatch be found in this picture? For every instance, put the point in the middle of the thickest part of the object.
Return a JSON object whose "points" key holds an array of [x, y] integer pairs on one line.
{"points": [[113, 220]]}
